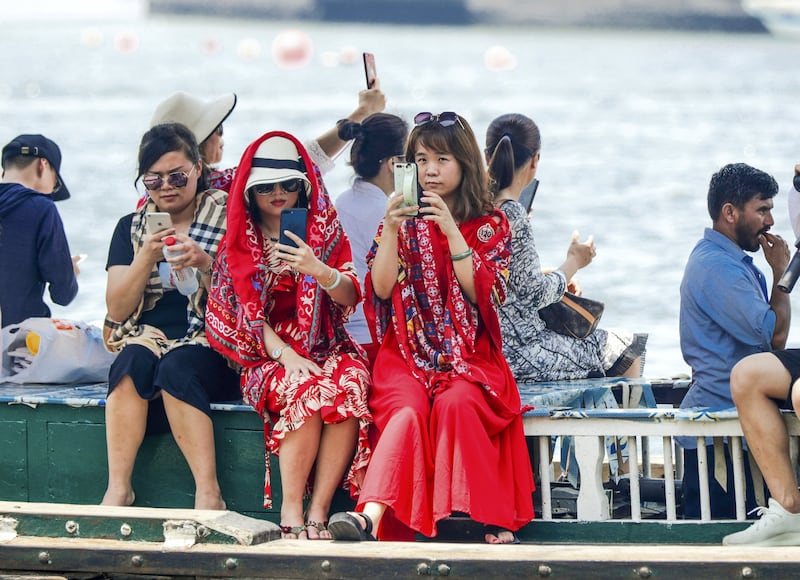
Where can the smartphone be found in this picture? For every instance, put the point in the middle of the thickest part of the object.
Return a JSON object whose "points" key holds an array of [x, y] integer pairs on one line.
{"points": [[369, 69], [157, 221], [293, 219], [407, 183], [527, 195]]}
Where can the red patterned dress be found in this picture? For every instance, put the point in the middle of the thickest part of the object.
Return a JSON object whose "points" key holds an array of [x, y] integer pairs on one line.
{"points": [[444, 400], [251, 287]]}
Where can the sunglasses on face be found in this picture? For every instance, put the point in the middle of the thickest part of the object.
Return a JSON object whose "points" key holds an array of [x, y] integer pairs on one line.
{"points": [[445, 119], [288, 186], [176, 179]]}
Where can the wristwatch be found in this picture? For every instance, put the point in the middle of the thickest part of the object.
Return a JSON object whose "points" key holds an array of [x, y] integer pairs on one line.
{"points": [[276, 354]]}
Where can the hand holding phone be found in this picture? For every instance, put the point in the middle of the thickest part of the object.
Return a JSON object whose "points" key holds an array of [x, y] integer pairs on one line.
{"points": [[369, 69], [293, 219]]}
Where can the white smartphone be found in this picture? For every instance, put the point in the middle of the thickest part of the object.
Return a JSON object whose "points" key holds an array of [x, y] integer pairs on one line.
{"points": [[157, 221]]}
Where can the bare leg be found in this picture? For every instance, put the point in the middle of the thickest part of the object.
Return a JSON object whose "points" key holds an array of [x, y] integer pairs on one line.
{"points": [[298, 451], [194, 434], [757, 381], [126, 420], [336, 449]]}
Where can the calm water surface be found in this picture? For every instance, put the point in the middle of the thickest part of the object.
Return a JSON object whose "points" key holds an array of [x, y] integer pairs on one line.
{"points": [[633, 126]]}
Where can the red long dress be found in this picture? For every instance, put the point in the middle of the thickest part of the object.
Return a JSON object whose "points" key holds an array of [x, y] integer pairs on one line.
{"points": [[444, 400]]}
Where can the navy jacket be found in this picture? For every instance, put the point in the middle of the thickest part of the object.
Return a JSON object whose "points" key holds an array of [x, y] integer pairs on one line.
{"points": [[33, 252]]}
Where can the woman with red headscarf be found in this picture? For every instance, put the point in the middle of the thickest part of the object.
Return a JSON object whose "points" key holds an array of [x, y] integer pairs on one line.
{"points": [[444, 399], [278, 310]]}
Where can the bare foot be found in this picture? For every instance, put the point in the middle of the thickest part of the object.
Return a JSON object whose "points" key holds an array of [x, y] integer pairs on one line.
{"points": [[497, 535], [209, 502], [124, 497]]}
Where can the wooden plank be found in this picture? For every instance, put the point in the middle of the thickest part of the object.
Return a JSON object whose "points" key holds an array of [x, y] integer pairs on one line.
{"points": [[132, 523], [298, 559]]}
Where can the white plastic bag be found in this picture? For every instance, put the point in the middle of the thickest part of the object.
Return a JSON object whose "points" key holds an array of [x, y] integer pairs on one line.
{"points": [[50, 350]]}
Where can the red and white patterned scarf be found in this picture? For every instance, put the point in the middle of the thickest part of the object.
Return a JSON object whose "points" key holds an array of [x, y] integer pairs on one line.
{"points": [[241, 289], [436, 325]]}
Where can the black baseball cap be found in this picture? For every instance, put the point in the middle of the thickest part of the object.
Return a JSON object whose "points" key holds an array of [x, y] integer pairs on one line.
{"points": [[38, 146]]}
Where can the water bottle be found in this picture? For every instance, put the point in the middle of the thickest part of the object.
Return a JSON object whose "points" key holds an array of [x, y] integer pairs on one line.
{"points": [[185, 279]]}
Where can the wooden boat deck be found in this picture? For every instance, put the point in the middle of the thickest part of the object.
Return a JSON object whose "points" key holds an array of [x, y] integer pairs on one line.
{"points": [[88, 541]]}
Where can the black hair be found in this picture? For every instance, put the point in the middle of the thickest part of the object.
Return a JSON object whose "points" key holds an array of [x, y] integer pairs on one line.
{"points": [[377, 138], [511, 141], [166, 138], [738, 183]]}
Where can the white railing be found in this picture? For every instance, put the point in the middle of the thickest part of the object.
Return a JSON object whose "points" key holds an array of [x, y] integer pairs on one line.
{"points": [[639, 425]]}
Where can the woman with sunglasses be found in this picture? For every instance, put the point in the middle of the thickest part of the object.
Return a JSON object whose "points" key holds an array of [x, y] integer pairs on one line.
{"points": [[164, 361], [205, 119], [278, 310], [536, 353], [444, 400], [378, 142]]}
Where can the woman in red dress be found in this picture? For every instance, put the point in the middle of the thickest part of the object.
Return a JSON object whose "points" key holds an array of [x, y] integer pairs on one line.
{"points": [[444, 400], [278, 310]]}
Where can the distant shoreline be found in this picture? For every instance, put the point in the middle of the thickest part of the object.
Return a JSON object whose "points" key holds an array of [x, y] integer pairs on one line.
{"points": [[689, 15]]}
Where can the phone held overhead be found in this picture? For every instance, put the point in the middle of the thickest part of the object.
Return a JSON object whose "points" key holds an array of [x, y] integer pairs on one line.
{"points": [[369, 69]]}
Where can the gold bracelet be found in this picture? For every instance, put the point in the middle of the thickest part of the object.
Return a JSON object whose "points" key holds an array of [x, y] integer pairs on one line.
{"points": [[461, 256], [331, 278], [334, 284]]}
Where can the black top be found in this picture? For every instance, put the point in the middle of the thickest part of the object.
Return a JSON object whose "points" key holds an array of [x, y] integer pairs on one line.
{"points": [[169, 313]]}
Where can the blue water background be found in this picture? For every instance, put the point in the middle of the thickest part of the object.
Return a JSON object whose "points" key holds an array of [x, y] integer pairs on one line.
{"points": [[633, 125]]}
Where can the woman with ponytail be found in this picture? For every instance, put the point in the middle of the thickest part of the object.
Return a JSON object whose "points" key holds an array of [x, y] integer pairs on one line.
{"points": [[536, 353], [378, 141]]}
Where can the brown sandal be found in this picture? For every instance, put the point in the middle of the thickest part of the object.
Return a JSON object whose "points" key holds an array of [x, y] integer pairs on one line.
{"points": [[319, 526], [294, 530]]}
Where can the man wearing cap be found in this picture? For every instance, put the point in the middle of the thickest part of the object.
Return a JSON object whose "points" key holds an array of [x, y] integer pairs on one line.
{"points": [[33, 246]]}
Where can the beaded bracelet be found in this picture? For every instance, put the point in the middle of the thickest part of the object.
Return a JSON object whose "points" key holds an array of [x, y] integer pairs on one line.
{"points": [[461, 256], [335, 282]]}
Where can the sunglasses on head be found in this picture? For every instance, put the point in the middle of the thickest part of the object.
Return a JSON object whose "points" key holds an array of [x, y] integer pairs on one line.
{"points": [[445, 119], [288, 186], [177, 179]]}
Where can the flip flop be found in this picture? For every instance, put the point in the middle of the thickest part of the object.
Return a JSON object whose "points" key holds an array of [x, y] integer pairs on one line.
{"points": [[346, 526], [496, 531], [319, 526]]}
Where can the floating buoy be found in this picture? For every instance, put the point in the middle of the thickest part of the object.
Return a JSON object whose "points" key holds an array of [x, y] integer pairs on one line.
{"points": [[292, 48], [249, 48], [126, 42], [91, 37], [499, 58], [211, 46]]}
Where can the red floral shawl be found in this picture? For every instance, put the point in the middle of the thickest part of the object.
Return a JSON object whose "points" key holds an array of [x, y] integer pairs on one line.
{"points": [[435, 323], [240, 297]]}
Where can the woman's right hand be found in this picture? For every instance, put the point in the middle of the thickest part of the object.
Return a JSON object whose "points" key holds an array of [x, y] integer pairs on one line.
{"points": [[396, 215], [581, 252], [296, 365], [152, 249], [579, 255]]}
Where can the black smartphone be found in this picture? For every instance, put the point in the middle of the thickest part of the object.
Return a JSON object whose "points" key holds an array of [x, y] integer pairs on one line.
{"points": [[369, 69], [527, 195], [293, 219]]}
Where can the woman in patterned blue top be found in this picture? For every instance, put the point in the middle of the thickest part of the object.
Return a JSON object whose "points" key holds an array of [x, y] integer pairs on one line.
{"points": [[535, 352]]}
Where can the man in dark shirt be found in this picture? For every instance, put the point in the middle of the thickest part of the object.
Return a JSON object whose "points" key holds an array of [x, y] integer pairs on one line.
{"points": [[33, 246]]}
